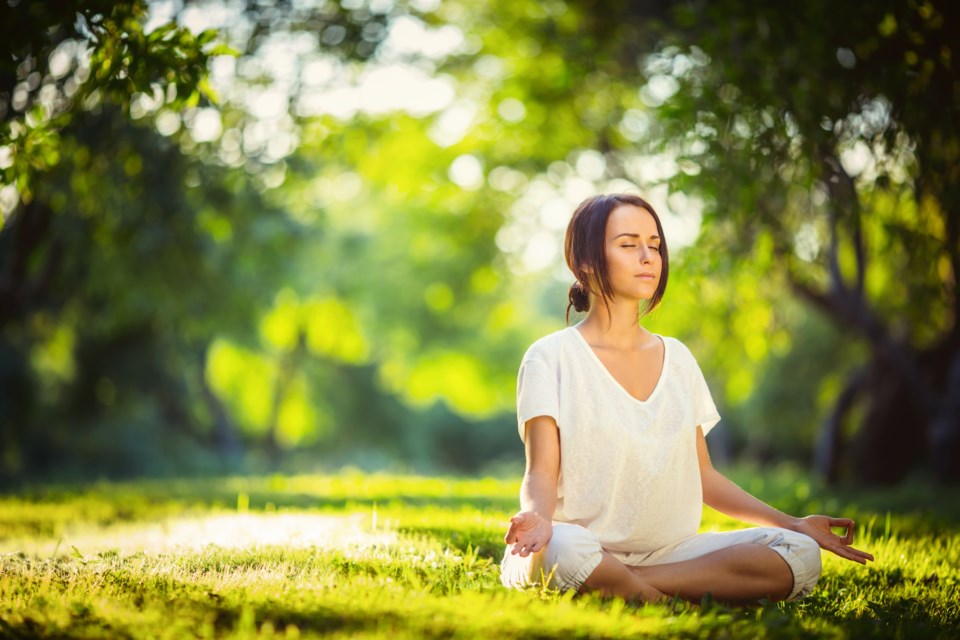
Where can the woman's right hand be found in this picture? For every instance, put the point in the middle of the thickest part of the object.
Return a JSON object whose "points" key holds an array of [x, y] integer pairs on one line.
{"points": [[528, 533]]}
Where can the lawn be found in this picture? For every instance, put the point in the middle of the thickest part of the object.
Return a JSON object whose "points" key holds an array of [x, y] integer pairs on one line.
{"points": [[359, 555]]}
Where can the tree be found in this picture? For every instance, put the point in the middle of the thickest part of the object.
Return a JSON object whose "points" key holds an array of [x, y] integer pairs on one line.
{"points": [[58, 61], [829, 130], [350, 267], [197, 294]]}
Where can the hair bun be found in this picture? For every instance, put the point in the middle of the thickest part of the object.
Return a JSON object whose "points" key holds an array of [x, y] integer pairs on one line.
{"points": [[579, 298]]}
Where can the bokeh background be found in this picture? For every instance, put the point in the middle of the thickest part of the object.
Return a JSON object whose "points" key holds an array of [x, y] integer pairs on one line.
{"points": [[250, 236]]}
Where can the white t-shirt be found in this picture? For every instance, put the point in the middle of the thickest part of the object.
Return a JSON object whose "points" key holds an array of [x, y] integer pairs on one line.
{"points": [[628, 468]]}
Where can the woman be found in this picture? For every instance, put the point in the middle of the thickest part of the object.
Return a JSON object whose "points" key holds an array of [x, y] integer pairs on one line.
{"points": [[613, 419]]}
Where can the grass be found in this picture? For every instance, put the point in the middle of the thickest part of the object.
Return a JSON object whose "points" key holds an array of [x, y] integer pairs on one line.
{"points": [[381, 556]]}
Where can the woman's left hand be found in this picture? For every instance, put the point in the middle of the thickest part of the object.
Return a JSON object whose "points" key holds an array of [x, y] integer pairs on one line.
{"points": [[819, 528]]}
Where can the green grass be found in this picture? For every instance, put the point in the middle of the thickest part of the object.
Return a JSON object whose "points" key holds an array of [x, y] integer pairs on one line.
{"points": [[374, 556]]}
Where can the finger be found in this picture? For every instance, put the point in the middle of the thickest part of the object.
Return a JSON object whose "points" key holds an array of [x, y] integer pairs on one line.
{"points": [[846, 523], [511, 536], [847, 552], [850, 529], [861, 554], [847, 536], [843, 553]]}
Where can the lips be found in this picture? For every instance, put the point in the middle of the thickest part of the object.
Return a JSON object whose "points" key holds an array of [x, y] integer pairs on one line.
{"points": [[646, 275]]}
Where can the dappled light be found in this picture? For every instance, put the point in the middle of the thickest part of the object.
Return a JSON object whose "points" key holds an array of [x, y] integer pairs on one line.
{"points": [[239, 236], [310, 555], [234, 531], [268, 271]]}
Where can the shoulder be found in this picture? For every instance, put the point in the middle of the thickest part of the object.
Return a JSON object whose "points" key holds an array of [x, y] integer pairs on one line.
{"points": [[679, 351], [547, 349]]}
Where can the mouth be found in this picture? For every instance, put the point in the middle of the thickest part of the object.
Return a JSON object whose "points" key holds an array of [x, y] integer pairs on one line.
{"points": [[646, 276]]}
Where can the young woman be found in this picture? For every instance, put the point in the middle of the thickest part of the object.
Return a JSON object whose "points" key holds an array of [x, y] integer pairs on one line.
{"points": [[613, 419]]}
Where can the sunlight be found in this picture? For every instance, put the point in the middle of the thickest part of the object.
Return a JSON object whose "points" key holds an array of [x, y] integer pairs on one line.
{"points": [[229, 531], [532, 237], [453, 124], [397, 87], [467, 172], [410, 36], [205, 125], [9, 197]]}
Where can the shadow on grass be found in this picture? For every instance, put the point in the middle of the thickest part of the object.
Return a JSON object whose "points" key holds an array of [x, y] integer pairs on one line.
{"points": [[195, 609], [221, 618]]}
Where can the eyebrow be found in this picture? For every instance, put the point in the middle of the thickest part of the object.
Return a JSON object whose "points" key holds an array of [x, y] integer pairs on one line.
{"points": [[636, 235]]}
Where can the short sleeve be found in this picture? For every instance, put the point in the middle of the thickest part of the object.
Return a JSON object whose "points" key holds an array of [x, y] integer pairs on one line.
{"points": [[538, 392], [704, 408]]}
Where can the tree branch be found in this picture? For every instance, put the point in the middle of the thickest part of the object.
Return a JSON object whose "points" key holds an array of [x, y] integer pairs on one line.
{"points": [[829, 446], [850, 310], [30, 227], [844, 205]]}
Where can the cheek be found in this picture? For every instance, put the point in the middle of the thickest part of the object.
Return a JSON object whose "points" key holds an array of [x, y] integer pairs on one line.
{"points": [[620, 260]]}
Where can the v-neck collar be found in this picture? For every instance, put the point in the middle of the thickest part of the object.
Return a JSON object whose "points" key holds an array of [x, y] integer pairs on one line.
{"points": [[603, 367]]}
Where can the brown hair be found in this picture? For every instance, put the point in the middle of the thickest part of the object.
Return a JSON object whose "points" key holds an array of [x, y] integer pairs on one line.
{"points": [[584, 249]]}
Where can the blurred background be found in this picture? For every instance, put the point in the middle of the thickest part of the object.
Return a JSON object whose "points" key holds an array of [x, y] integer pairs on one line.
{"points": [[253, 236]]}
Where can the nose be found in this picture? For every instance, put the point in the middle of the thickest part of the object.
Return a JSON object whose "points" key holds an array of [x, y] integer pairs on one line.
{"points": [[646, 255]]}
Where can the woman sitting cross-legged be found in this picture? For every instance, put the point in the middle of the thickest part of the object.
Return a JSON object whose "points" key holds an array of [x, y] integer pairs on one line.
{"points": [[613, 419]]}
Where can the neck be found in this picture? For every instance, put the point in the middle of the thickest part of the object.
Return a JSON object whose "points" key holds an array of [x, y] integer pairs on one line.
{"points": [[616, 325]]}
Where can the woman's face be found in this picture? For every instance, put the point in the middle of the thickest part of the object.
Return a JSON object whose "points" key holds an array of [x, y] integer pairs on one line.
{"points": [[633, 253]]}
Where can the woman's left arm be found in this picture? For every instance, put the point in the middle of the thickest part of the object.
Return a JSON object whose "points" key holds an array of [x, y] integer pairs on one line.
{"points": [[726, 497]]}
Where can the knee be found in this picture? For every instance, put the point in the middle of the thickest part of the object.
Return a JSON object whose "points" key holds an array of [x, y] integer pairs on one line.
{"points": [[564, 563], [808, 551], [572, 553], [804, 553]]}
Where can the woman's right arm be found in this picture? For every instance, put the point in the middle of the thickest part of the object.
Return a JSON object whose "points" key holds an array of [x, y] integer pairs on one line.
{"points": [[531, 528]]}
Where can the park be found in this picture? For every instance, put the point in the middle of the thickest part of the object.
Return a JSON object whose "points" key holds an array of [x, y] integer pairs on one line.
{"points": [[268, 271]]}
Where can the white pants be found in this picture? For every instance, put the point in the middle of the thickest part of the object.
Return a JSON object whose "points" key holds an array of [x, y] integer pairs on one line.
{"points": [[573, 553]]}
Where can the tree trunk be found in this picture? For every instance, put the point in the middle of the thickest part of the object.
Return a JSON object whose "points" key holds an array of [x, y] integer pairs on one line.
{"points": [[289, 363], [910, 395], [892, 437], [945, 428], [26, 231], [830, 448], [225, 438]]}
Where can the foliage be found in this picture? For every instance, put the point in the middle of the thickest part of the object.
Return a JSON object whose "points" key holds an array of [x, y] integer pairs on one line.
{"points": [[214, 255], [853, 192], [818, 145], [100, 330], [70, 202], [376, 555], [63, 55]]}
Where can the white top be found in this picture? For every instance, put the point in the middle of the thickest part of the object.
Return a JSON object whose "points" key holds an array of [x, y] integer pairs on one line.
{"points": [[628, 468]]}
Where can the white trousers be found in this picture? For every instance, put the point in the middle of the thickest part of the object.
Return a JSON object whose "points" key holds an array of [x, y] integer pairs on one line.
{"points": [[574, 552]]}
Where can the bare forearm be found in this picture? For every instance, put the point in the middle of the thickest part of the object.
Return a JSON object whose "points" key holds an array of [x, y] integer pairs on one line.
{"points": [[722, 494], [538, 493]]}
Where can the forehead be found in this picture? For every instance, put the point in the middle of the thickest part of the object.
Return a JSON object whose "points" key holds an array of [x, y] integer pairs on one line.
{"points": [[628, 218]]}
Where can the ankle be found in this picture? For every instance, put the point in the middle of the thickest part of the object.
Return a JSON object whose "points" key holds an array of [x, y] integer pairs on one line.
{"points": [[653, 595]]}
